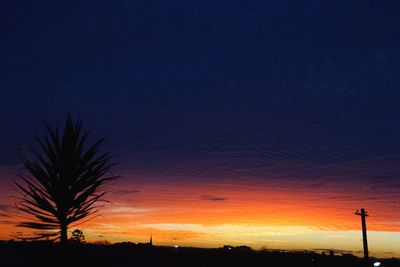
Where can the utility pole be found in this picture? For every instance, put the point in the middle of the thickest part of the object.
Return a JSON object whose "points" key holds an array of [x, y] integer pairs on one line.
{"points": [[364, 214]]}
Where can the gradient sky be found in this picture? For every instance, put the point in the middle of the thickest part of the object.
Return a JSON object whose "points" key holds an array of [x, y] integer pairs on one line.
{"points": [[263, 123]]}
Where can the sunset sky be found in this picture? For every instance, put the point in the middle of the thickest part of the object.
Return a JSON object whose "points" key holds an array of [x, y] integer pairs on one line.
{"points": [[259, 123]]}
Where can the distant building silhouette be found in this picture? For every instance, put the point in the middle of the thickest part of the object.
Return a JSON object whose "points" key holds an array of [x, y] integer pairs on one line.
{"points": [[148, 244]]}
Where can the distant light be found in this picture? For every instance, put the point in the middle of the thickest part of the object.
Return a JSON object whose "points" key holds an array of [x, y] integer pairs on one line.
{"points": [[229, 248], [376, 264], [176, 246]]}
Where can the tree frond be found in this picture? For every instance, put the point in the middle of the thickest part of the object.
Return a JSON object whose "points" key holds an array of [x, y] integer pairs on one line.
{"points": [[64, 179]]}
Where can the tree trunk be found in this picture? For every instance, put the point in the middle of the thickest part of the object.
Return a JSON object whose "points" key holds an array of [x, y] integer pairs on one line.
{"points": [[64, 234]]}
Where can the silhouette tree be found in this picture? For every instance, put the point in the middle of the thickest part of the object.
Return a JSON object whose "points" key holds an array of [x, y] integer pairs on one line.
{"points": [[64, 180], [77, 236]]}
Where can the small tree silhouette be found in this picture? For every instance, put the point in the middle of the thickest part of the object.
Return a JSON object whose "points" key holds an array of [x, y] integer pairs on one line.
{"points": [[77, 236], [64, 180]]}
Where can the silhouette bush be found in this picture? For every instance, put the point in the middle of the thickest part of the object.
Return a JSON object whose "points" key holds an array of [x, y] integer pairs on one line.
{"points": [[77, 236]]}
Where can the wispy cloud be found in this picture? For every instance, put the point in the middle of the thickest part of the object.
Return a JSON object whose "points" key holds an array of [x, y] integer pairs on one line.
{"points": [[237, 230], [128, 210], [126, 192], [7, 222], [4, 207], [212, 198]]}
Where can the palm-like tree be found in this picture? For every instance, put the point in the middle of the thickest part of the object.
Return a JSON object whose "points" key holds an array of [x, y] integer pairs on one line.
{"points": [[64, 180]]}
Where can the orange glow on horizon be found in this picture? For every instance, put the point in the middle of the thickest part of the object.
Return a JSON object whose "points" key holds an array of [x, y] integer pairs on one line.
{"points": [[278, 214]]}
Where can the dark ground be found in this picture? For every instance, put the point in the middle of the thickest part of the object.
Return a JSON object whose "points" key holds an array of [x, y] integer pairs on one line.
{"points": [[127, 254]]}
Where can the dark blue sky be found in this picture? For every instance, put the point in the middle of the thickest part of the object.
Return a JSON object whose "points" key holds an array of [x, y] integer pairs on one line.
{"points": [[210, 88]]}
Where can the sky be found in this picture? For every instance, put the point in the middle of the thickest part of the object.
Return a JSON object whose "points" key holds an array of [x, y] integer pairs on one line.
{"points": [[259, 123]]}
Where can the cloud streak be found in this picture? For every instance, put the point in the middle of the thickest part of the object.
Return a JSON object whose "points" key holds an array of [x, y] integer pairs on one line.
{"points": [[125, 192], [4, 207], [212, 198]]}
